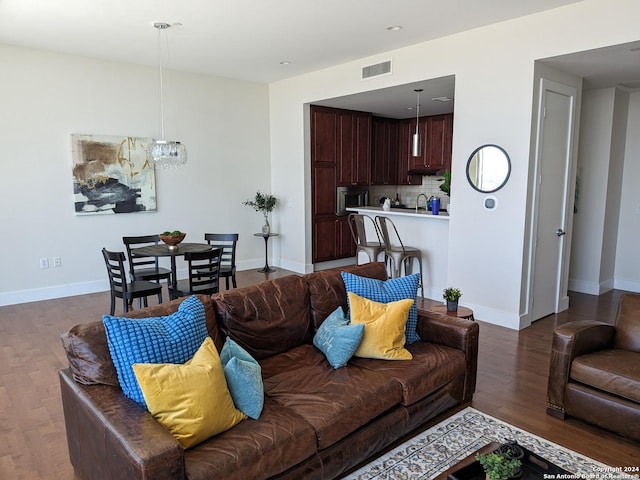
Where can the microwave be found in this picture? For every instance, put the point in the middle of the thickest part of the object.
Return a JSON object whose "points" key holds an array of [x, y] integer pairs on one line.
{"points": [[350, 197]]}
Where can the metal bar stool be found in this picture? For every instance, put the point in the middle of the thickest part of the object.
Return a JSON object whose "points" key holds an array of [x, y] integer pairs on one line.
{"points": [[399, 255], [357, 225]]}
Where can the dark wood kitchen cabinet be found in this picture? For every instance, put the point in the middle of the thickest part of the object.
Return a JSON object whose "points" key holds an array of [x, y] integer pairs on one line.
{"points": [[340, 147], [436, 134], [332, 239], [406, 129], [384, 151], [354, 147]]}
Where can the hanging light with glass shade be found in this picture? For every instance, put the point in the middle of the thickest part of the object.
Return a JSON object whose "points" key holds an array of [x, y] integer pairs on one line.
{"points": [[165, 153], [416, 146]]}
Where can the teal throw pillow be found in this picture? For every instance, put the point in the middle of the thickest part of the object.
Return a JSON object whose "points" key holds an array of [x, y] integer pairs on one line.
{"points": [[244, 379], [337, 339], [171, 339], [385, 291]]}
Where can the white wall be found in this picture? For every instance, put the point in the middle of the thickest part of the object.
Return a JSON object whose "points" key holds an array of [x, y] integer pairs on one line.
{"points": [[493, 104], [627, 266], [46, 97], [597, 227]]}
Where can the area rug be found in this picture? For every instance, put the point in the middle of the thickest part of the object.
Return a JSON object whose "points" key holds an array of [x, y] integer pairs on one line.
{"points": [[445, 444]]}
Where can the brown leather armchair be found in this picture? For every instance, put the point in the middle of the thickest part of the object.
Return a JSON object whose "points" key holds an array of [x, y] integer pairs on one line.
{"points": [[594, 374]]}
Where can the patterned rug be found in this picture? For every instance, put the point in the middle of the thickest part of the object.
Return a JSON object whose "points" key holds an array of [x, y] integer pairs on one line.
{"points": [[445, 444]]}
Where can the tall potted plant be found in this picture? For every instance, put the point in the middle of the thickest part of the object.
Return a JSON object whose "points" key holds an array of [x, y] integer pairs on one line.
{"points": [[263, 203]]}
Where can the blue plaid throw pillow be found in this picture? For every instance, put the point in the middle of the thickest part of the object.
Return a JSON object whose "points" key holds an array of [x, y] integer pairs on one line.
{"points": [[171, 339], [388, 291]]}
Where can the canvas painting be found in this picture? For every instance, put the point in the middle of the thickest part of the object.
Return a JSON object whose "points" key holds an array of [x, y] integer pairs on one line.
{"points": [[112, 175]]}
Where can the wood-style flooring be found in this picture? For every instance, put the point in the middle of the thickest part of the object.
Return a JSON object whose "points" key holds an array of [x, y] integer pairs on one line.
{"points": [[512, 379]]}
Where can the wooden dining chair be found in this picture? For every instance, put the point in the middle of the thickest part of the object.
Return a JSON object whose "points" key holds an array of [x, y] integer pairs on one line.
{"points": [[204, 274], [127, 291], [145, 268], [226, 241]]}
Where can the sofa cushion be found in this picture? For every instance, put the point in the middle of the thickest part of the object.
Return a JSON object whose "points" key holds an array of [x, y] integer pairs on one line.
{"points": [[327, 292], [191, 400], [268, 318], [335, 402], [244, 378], [432, 367], [613, 371], [88, 354], [384, 326], [262, 448], [337, 339], [389, 291], [171, 339]]}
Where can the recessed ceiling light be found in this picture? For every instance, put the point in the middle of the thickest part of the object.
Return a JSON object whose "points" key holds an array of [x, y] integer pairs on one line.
{"points": [[394, 28], [442, 99], [285, 62]]}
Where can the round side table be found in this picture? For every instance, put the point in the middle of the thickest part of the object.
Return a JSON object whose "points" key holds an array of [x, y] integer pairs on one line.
{"points": [[462, 312], [266, 236]]}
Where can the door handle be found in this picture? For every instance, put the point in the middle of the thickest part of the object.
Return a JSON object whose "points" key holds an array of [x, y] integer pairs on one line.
{"points": [[560, 232]]}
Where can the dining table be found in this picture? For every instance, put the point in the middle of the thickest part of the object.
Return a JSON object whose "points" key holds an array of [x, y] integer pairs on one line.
{"points": [[163, 250]]}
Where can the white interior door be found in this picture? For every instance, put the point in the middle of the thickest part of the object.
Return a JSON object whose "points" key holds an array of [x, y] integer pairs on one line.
{"points": [[557, 106]]}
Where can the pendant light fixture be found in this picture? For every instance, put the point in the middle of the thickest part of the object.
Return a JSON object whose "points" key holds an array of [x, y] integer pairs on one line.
{"points": [[416, 148], [165, 153]]}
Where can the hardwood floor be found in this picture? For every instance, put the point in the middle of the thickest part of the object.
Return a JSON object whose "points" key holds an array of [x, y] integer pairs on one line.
{"points": [[511, 385]]}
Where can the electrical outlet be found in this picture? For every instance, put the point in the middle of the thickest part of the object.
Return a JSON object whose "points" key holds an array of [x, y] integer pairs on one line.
{"points": [[57, 262], [44, 263]]}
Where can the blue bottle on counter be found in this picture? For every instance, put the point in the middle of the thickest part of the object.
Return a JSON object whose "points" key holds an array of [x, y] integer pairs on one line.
{"points": [[435, 206]]}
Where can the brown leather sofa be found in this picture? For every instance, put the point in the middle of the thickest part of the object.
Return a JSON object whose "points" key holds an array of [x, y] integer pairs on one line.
{"points": [[594, 373], [317, 421]]}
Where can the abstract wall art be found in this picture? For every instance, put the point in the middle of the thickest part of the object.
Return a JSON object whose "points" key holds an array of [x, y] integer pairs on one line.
{"points": [[112, 175]]}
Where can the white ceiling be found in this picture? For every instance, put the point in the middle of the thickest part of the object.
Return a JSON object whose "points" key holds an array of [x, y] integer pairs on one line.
{"points": [[247, 39]]}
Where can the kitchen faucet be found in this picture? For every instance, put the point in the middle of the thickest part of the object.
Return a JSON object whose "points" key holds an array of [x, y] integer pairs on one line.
{"points": [[418, 201]]}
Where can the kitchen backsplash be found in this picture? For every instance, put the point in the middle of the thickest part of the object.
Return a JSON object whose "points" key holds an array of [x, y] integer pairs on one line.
{"points": [[409, 193]]}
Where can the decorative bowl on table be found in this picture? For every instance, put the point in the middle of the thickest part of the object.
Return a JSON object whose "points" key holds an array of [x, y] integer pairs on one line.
{"points": [[172, 238]]}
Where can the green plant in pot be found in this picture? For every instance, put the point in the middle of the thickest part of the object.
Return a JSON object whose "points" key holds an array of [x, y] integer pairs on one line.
{"points": [[445, 186], [499, 466], [263, 203], [451, 295]]}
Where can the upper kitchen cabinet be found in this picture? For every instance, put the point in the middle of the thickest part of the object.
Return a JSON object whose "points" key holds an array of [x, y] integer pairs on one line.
{"points": [[384, 151], [436, 133], [406, 129], [324, 135], [354, 148]]}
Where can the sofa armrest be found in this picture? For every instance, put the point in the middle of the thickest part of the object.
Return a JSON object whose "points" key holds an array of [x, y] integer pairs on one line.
{"points": [[569, 341], [457, 333], [110, 436]]}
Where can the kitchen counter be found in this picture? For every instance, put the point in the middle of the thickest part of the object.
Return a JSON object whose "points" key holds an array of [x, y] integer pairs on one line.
{"points": [[423, 230], [403, 211]]}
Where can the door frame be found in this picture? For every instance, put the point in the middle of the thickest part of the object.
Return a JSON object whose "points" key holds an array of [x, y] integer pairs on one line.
{"points": [[562, 298]]}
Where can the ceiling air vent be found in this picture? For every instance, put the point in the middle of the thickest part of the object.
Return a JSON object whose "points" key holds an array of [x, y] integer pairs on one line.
{"points": [[376, 70]]}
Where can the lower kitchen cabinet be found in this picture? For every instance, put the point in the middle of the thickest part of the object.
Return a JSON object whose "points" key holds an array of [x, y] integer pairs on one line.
{"points": [[332, 239]]}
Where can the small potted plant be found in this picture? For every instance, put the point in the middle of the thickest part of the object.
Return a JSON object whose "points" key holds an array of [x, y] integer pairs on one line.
{"points": [[451, 295], [499, 466], [264, 203]]}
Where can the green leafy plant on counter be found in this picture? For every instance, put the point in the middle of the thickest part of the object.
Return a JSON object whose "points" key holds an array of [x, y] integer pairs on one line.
{"points": [[445, 186]]}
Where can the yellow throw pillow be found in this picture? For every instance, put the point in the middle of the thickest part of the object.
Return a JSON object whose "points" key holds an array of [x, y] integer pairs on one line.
{"points": [[192, 401], [384, 326]]}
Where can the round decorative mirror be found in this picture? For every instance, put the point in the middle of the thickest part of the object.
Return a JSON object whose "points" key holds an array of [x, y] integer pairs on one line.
{"points": [[488, 168]]}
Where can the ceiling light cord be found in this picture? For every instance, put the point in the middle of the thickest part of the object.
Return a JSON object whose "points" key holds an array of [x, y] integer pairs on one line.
{"points": [[160, 28]]}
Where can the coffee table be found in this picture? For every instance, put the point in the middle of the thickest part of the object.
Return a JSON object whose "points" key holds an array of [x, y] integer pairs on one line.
{"points": [[533, 467]]}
